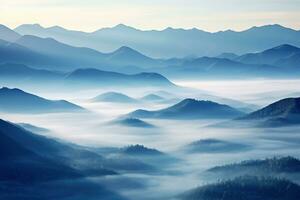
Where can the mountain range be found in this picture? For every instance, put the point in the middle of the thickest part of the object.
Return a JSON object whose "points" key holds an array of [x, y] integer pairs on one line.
{"points": [[20, 75], [48, 53], [94, 78], [171, 42]]}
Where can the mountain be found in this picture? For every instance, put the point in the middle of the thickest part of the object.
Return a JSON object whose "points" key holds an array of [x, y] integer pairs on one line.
{"points": [[67, 54], [140, 150], [114, 97], [246, 187], [21, 164], [94, 77], [128, 56], [190, 109], [266, 167], [31, 162], [78, 56], [290, 62], [30, 147], [10, 102], [152, 97], [48, 53], [276, 56], [11, 52], [215, 146], [8, 34], [133, 122], [21, 73], [220, 67], [171, 42], [280, 113]]}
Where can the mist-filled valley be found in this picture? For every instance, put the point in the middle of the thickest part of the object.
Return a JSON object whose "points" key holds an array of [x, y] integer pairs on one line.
{"points": [[77, 123]]}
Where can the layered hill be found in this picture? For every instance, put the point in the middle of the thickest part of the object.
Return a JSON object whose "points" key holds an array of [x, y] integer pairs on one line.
{"points": [[114, 97], [95, 77], [18, 101], [190, 109], [246, 187], [281, 113]]}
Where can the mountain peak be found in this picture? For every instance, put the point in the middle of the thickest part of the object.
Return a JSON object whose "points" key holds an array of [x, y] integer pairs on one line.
{"points": [[10, 102], [7, 34], [286, 47], [190, 109], [10, 90], [280, 113], [123, 27], [125, 49], [57, 28], [269, 26], [35, 26]]}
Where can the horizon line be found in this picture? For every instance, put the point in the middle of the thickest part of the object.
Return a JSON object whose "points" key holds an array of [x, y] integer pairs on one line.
{"points": [[145, 30]]}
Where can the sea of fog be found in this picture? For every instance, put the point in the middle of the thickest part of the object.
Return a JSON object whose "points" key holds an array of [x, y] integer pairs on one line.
{"points": [[93, 129]]}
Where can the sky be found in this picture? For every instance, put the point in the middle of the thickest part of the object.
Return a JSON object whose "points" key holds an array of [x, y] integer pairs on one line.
{"points": [[209, 15]]}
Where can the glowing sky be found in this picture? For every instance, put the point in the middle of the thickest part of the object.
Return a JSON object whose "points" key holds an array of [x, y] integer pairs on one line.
{"points": [[211, 15]]}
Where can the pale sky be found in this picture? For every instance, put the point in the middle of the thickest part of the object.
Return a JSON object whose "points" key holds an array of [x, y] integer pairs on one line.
{"points": [[210, 15]]}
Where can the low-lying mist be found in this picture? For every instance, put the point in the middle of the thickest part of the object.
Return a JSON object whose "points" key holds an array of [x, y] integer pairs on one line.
{"points": [[94, 130]]}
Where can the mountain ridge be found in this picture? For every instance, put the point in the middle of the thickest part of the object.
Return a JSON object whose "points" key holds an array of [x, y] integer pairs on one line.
{"points": [[167, 46], [190, 109]]}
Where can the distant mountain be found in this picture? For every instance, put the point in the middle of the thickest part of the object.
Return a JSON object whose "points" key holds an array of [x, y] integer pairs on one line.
{"points": [[128, 56], [66, 54], [171, 42], [246, 187], [190, 109], [47, 53], [18, 101], [278, 56], [281, 113], [152, 97], [114, 97], [94, 77], [215, 146], [14, 53], [148, 155], [8, 34], [78, 56], [140, 150], [20, 73], [211, 67], [133, 122]]}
